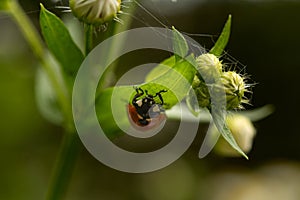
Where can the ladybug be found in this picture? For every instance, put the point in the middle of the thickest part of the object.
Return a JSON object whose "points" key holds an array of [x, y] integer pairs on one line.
{"points": [[145, 110]]}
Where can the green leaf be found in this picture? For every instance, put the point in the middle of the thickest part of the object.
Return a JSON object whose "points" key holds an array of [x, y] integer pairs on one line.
{"points": [[60, 42], [180, 46], [104, 104], [219, 117], [223, 39], [161, 69], [176, 80]]}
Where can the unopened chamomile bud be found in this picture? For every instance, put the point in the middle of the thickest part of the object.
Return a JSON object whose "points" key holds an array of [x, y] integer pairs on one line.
{"points": [[235, 89], [95, 12], [243, 132], [209, 66]]}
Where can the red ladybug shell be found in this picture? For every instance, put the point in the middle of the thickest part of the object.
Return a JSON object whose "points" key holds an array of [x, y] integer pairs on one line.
{"points": [[134, 119]]}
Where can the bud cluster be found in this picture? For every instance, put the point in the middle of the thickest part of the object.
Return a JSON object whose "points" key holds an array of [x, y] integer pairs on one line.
{"points": [[212, 75]]}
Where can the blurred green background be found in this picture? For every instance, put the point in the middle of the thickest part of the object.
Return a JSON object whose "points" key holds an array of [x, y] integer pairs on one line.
{"points": [[265, 38]]}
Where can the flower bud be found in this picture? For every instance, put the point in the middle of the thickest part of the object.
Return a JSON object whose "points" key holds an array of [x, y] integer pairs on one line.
{"points": [[211, 75], [95, 11], [202, 93], [242, 130], [234, 89], [209, 66]]}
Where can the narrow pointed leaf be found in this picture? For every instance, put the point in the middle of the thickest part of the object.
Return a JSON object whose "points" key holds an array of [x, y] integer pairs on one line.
{"points": [[223, 39], [161, 69]]}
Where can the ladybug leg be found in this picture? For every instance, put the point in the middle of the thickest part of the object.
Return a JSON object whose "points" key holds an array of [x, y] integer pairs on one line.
{"points": [[139, 93], [160, 97], [149, 95]]}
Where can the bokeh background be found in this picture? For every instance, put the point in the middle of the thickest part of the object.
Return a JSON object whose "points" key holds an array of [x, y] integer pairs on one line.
{"points": [[265, 38]]}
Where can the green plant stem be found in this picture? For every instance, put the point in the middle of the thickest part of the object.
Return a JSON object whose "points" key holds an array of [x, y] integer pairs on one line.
{"points": [[35, 42], [65, 163], [70, 146], [88, 36]]}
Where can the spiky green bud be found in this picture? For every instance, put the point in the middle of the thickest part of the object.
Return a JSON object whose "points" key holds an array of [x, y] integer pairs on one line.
{"points": [[211, 75], [95, 12], [234, 88]]}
